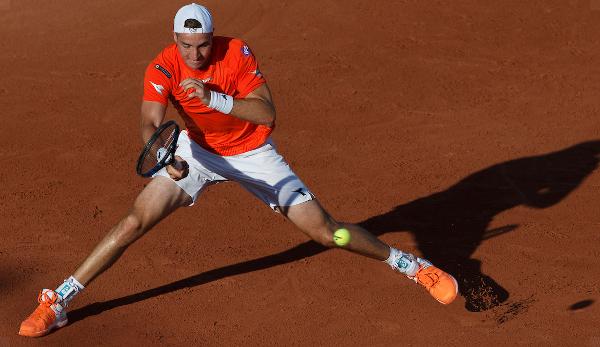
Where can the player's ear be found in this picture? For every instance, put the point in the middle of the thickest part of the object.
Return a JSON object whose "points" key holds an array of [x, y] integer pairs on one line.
{"points": [[175, 37]]}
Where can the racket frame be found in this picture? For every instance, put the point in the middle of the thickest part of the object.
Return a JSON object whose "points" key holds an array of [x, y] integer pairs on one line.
{"points": [[168, 158]]}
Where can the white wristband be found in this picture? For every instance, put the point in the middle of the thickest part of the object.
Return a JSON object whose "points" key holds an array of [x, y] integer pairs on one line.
{"points": [[221, 102]]}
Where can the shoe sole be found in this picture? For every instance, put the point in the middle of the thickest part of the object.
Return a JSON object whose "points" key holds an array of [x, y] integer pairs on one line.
{"points": [[47, 331]]}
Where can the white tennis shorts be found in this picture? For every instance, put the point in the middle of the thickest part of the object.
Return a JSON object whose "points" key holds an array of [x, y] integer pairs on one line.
{"points": [[262, 171]]}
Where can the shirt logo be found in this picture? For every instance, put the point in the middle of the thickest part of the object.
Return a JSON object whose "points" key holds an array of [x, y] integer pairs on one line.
{"points": [[163, 70], [158, 87], [256, 73], [206, 80], [246, 50]]}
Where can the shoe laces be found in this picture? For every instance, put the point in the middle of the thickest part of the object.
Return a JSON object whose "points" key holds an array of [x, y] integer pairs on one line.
{"points": [[44, 311], [47, 300], [427, 279]]}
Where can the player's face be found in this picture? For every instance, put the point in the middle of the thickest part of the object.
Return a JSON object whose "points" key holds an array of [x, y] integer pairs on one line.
{"points": [[194, 49]]}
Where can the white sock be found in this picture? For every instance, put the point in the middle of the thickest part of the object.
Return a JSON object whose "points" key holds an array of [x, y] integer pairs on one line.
{"points": [[68, 290], [405, 263]]}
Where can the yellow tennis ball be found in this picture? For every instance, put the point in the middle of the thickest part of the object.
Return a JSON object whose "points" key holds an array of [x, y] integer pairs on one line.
{"points": [[341, 237]]}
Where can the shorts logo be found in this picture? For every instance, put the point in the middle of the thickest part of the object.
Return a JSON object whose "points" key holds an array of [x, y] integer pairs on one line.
{"points": [[304, 192], [163, 70], [299, 191], [246, 50]]}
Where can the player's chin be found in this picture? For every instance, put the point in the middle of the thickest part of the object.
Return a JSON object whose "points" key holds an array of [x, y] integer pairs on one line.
{"points": [[195, 64]]}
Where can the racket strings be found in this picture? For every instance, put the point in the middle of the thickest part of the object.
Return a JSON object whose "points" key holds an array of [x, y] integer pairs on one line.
{"points": [[163, 142]]}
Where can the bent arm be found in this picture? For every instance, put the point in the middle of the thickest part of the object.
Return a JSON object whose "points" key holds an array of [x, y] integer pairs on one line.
{"points": [[153, 114], [257, 107]]}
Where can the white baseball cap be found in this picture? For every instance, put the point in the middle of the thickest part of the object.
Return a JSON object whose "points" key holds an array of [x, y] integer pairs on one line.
{"points": [[193, 11]]}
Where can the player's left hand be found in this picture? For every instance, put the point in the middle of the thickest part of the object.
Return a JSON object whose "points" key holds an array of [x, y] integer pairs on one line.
{"points": [[179, 169], [196, 89]]}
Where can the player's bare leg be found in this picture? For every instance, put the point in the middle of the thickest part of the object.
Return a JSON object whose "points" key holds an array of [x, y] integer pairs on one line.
{"points": [[314, 221], [159, 199]]}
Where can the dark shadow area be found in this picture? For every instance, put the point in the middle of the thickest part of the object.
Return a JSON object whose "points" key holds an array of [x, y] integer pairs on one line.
{"points": [[581, 305], [304, 250], [448, 225]]}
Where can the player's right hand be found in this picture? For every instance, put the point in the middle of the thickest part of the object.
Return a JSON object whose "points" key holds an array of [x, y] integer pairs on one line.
{"points": [[196, 89], [179, 169]]}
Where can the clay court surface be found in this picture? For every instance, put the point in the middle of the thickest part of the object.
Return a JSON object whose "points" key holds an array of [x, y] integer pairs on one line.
{"points": [[463, 131]]}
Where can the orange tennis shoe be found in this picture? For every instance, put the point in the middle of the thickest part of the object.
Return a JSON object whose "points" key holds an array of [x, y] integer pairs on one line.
{"points": [[441, 285], [47, 316]]}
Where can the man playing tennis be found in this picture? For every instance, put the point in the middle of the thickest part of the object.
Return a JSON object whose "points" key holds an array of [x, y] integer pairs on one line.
{"points": [[216, 86]]}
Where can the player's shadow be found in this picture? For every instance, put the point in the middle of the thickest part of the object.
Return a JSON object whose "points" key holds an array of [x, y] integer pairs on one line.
{"points": [[448, 225]]}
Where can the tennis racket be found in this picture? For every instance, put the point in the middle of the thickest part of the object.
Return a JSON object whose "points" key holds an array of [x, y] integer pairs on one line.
{"points": [[159, 151]]}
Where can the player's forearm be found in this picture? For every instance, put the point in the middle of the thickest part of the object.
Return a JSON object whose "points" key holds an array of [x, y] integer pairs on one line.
{"points": [[147, 129], [153, 114], [253, 110]]}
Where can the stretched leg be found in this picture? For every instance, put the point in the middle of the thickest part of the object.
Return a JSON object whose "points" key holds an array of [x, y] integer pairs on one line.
{"points": [[159, 199], [314, 221]]}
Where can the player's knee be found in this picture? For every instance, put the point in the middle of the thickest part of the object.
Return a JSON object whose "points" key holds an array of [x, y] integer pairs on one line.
{"points": [[323, 236], [129, 230]]}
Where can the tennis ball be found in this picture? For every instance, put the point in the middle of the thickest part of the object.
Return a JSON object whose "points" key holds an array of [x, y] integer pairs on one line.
{"points": [[341, 237]]}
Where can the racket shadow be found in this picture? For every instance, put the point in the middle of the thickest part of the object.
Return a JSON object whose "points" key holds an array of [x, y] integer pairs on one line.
{"points": [[448, 226]]}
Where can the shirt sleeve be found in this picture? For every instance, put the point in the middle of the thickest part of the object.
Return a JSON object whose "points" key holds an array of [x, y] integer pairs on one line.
{"points": [[248, 76], [157, 83]]}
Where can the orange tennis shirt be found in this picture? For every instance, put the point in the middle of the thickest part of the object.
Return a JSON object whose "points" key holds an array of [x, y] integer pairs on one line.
{"points": [[232, 70]]}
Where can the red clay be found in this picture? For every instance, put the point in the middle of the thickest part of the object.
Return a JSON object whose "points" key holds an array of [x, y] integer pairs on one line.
{"points": [[466, 132]]}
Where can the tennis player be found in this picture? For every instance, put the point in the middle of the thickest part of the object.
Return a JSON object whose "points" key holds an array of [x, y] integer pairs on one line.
{"points": [[217, 88]]}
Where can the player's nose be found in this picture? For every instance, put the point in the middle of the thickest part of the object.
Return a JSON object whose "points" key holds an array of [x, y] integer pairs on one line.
{"points": [[196, 55]]}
